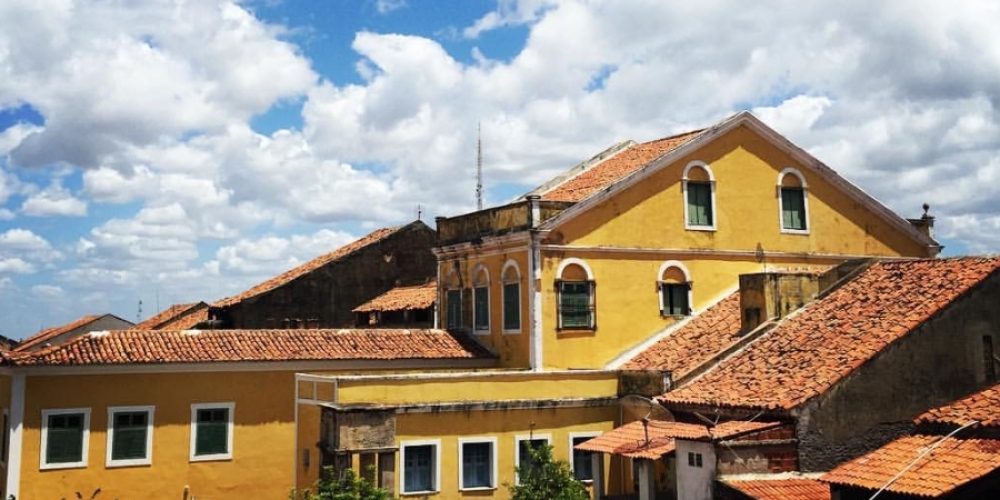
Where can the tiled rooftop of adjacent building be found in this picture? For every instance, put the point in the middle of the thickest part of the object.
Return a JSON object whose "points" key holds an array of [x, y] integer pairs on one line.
{"points": [[982, 407], [656, 437], [813, 349], [51, 333], [402, 298], [176, 317], [795, 488], [194, 346], [948, 464]]}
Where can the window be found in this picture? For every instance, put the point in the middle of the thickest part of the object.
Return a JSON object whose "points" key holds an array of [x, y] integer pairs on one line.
{"points": [[575, 289], [65, 438], [699, 196], [989, 368], [477, 463], [454, 302], [694, 459], [420, 466], [481, 300], [212, 431], [674, 285], [793, 202], [511, 298], [582, 465], [130, 436], [523, 451]]}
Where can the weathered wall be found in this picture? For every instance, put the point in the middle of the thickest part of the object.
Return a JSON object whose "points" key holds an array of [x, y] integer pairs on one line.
{"points": [[263, 462], [324, 298], [695, 482], [935, 364]]}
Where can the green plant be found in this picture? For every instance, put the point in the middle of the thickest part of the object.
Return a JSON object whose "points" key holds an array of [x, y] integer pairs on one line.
{"points": [[346, 485], [546, 479]]}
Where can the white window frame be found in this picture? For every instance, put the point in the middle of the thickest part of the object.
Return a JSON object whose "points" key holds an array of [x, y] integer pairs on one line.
{"points": [[85, 451], [572, 463], [573, 261], [511, 263], [517, 449], [805, 202], [687, 280], [435, 475], [112, 410], [684, 192], [5, 448], [492, 441], [228, 455], [477, 283]]}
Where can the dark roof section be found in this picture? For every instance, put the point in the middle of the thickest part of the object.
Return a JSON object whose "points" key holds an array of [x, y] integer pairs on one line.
{"points": [[176, 317], [814, 348], [146, 347]]}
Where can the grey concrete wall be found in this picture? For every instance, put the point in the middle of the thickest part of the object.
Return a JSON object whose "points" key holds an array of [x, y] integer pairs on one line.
{"points": [[937, 363]]}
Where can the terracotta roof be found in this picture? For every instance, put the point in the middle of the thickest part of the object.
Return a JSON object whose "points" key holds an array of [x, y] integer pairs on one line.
{"points": [[630, 440], [817, 346], [176, 317], [308, 267], [781, 489], [951, 464], [982, 407], [615, 168], [402, 298], [51, 333], [693, 343], [129, 347]]}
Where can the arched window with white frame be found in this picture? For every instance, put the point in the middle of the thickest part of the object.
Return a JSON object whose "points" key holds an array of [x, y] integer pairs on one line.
{"points": [[453, 301], [576, 300], [673, 285], [699, 196], [481, 300], [510, 277], [793, 201]]}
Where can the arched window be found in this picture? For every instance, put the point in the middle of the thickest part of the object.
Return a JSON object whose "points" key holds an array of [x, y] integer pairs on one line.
{"points": [[793, 201], [576, 298], [674, 287], [481, 299], [699, 197], [453, 301], [511, 277]]}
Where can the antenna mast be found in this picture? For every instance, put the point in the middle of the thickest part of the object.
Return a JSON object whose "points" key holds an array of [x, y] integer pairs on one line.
{"points": [[479, 166]]}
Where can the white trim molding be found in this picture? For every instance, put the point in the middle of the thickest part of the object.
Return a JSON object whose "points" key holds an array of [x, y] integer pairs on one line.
{"points": [[17, 387], [711, 188], [85, 445], [477, 283], [805, 202], [494, 483], [574, 261], [660, 282], [435, 473], [570, 456], [504, 281], [230, 407], [517, 449], [148, 459]]}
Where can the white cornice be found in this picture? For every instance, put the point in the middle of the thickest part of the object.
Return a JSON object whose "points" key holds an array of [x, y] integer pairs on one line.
{"points": [[256, 366], [708, 252]]}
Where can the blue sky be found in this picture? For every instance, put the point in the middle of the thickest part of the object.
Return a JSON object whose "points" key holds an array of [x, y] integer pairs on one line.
{"points": [[170, 151]]}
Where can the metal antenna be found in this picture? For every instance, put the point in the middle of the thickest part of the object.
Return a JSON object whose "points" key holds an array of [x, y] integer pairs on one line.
{"points": [[138, 313], [479, 166]]}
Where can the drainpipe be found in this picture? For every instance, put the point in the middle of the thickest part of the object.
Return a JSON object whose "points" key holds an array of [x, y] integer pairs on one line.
{"points": [[16, 435], [534, 277]]}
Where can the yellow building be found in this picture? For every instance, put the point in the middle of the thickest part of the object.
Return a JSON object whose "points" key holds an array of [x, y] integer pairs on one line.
{"points": [[543, 299]]}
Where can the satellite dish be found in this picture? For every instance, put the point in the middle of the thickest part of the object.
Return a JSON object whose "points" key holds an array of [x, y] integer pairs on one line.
{"points": [[644, 409]]}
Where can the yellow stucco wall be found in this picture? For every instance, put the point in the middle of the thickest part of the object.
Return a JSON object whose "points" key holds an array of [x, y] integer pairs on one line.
{"points": [[263, 437], [506, 427]]}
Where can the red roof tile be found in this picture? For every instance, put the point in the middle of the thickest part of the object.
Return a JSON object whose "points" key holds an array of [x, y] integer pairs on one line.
{"points": [[695, 342], [51, 333], [615, 168], [982, 407], [402, 298], [811, 350], [176, 317], [308, 267], [947, 466], [781, 489], [127, 347], [633, 440]]}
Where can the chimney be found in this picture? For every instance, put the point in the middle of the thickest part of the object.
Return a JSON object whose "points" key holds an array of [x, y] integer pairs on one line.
{"points": [[925, 224], [773, 295]]}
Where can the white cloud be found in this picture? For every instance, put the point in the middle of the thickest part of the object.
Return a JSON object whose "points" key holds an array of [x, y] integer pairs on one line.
{"points": [[387, 6], [16, 265], [48, 292], [54, 201]]}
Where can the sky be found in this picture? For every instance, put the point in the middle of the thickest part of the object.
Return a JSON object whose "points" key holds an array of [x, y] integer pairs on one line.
{"points": [[169, 151]]}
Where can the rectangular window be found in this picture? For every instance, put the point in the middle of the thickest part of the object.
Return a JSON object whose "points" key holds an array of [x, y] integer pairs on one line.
{"points": [[675, 299], [694, 459], [512, 307], [212, 431], [130, 436], [454, 304], [699, 203], [989, 368], [420, 461], [477, 462], [576, 304], [793, 209], [524, 446], [583, 468], [481, 298], [65, 438]]}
